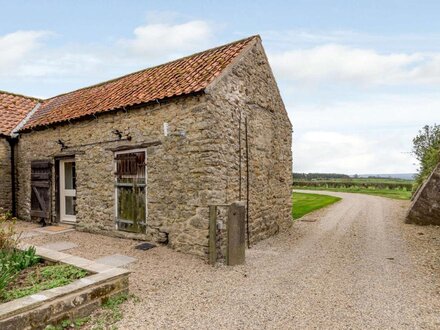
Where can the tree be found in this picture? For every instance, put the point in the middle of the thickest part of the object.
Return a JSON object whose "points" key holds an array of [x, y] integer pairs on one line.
{"points": [[426, 148]]}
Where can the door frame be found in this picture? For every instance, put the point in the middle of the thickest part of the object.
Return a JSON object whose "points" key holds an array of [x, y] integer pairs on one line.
{"points": [[62, 192]]}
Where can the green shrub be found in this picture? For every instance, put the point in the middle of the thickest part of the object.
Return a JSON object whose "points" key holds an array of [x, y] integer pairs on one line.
{"points": [[12, 262]]}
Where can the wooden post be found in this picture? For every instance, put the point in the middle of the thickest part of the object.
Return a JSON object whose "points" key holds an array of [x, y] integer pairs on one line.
{"points": [[212, 234], [236, 234]]}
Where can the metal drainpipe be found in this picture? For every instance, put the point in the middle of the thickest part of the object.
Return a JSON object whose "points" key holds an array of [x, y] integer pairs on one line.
{"points": [[12, 143]]}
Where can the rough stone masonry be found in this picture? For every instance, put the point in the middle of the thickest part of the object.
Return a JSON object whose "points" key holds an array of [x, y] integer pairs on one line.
{"points": [[185, 172], [5, 175], [425, 207]]}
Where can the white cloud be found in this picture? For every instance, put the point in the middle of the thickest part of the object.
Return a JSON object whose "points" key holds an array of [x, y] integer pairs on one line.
{"points": [[160, 39], [343, 64], [334, 152], [16, 47], [368, 135], [27, 57]]}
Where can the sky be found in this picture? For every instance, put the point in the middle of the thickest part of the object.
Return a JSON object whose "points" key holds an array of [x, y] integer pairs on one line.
{"points": [[358, 78]]}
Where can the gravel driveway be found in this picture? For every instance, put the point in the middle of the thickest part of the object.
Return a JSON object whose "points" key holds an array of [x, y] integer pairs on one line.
{"points": [[353, 265]]}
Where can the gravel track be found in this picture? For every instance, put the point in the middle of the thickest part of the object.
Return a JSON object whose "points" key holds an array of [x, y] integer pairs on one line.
{"points": [[352, 265]]}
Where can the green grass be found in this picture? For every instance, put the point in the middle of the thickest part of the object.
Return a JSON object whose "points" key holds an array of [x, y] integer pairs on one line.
{"points": [[390, 193], [306, 203], [44, 278]]}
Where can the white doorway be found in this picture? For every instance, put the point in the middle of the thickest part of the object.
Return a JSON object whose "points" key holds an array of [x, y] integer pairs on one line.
{"points": [[67, 190]]}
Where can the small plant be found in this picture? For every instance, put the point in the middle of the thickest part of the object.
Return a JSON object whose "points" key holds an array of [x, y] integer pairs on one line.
{"points": [[68, 324], [111, 312]]}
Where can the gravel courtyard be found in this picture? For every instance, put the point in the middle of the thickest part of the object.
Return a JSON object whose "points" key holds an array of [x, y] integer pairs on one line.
{"points": [[353, 265]]}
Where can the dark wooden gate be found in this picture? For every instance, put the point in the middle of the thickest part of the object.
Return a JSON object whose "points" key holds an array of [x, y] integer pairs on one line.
{"points": [[40, 190]]}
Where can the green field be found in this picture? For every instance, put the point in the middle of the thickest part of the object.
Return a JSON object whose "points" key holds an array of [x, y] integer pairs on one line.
{"points": [[306, 203], [390, 193], [391, 188]]}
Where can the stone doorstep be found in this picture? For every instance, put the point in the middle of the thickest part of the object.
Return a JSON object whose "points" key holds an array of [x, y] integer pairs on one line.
{"points": [[102, 274]]}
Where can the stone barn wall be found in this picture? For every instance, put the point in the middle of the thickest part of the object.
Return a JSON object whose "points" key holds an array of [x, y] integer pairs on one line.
{"points": [[425, 208], [5, 175], [179, 180], [250, 90]]}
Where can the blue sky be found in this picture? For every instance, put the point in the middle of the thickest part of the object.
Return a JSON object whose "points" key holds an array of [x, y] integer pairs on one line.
{"points": [[358, 78]]}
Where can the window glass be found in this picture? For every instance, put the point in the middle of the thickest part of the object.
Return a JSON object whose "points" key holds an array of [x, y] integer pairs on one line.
{"points": [[70, 205], [69, 175]]}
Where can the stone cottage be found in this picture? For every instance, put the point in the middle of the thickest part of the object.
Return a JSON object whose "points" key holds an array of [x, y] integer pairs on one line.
{"points": [[144, 155]]}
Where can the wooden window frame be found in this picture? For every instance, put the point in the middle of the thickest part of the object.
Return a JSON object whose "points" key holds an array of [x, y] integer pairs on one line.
{"points": [[128, 151]]}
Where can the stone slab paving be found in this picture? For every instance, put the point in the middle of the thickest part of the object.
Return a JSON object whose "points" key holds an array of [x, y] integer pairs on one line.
{"points": [[29, 234], [60, 246], [116, 260]]}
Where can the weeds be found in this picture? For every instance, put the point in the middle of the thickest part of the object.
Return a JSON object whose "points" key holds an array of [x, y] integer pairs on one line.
{"points": [[109, 314], [45, 278], [12, 260], [68, 324]]}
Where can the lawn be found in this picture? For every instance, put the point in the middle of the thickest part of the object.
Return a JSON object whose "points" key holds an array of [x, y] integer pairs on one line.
{"points": [[390, 193], [306, 203]]}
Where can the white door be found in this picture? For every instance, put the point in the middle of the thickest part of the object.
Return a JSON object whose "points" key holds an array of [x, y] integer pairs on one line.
{"points": [[67, 190]]}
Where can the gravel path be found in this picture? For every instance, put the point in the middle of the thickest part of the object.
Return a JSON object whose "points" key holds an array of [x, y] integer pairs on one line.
{"points": [[353, 265]]}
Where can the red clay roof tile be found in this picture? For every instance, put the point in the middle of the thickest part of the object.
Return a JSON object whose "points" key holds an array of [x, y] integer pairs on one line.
{"points": [[180, 77], [13, 109]]}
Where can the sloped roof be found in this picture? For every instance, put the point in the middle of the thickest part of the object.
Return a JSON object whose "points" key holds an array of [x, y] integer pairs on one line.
{"points": [[184, 76], [13, 109]]}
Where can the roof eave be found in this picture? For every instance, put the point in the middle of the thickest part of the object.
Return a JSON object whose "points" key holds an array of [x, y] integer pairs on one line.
{"points": [[96, 114]]}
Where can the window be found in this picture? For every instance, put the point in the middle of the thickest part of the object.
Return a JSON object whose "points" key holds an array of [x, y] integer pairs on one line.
{"points": [[131, 181]]}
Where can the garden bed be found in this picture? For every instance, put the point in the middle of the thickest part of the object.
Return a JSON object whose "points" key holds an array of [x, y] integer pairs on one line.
{"points": [[68, 298], [40, 276]]}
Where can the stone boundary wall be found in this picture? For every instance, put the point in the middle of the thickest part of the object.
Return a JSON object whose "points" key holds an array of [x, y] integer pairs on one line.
{"points": [[78, 299], [425, 207]]}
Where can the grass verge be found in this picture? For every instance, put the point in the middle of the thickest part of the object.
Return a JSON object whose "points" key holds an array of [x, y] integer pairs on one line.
{"points": [[306, 203], [390, 193]]}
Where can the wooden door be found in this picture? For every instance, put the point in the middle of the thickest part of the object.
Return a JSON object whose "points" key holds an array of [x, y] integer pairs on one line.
{"points": [[40, 190], [131, 203]]}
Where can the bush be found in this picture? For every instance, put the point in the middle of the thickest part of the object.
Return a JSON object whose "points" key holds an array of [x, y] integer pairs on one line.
{"points": [[426, 148], [8, 236], [12, 262]]}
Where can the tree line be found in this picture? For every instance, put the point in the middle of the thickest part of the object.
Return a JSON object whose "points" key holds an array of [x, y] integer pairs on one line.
{"points": [[426, 149], [320, 176]]}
